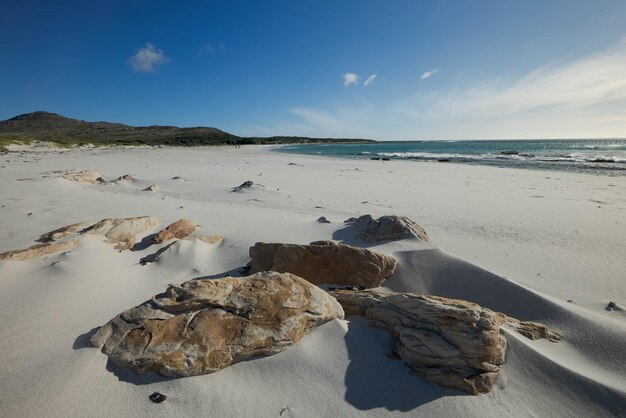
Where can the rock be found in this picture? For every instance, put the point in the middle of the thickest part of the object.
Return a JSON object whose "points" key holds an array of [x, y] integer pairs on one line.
{"points": [[210, 239], [323, 220], [87, 176], [125, 177], [245, 185], [454, 343], [324, 262], [179, 229], [203, 326], [388, 228], [509, 152], [532, 330], [38, 250], [152, 188], [64, 232], [157, 397], [123, 231]]}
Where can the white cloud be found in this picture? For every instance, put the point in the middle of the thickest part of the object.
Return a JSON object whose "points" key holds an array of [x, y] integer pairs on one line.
{"points": [[148, 59], [350, 78], [428, 74], [370, 80]]}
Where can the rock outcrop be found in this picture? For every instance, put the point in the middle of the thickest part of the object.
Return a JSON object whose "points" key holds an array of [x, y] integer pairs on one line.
{"points": [[123, 231], [325, 263], [64, 232], [179, 229], [387, 228], [454, 343], [38, 250], [86, 176], [203, 326], [532, 330]]}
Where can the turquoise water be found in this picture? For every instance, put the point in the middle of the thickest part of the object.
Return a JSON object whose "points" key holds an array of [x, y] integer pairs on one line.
{"points": [[606, 156]]}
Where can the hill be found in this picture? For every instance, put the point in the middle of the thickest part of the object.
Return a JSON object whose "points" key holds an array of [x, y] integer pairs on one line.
{"points": [[52, 127]]}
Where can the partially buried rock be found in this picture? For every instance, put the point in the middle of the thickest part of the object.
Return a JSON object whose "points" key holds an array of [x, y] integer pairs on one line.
{"points": [[388, 228], [203, 326], [123, 231], [64, 232], [210, 239], [454, 343], [243, 186], [125, 177], [152, 188], [323, 220], [86, 176], [38, 250], [179, 229], [325, 262]]}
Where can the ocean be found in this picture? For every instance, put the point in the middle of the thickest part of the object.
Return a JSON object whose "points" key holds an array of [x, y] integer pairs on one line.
{"points": [[604, 157]]}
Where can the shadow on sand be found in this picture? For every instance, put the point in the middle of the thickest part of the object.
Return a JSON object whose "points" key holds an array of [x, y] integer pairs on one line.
{"points": [[373, 380]]}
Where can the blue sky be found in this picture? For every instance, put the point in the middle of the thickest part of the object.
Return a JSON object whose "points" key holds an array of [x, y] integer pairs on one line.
{"points": [[436, 69]]}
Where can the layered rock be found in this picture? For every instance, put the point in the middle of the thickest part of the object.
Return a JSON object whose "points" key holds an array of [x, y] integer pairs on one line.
{"points": [[179, 229], [387, 228], [86, 176], [123, 231], [64, 231], [203, 326], [324, 263], [210, 239], [454, 343], [532, 330], [38, 250]]}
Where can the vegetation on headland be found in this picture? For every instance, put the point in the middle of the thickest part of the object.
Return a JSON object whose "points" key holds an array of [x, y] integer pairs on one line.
{"points": [[67, 132]]}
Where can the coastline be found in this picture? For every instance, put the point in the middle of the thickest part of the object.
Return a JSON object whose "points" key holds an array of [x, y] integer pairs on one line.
{"points": [[552, 237]]}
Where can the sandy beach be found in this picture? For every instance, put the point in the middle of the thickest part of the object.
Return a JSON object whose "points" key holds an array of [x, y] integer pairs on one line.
{"points": [[543, 246]]}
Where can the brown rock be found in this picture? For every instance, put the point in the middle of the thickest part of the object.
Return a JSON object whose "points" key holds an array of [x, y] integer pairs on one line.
{"points": [[324, 262], [179, 229], [38, 250], [86, 176], [123, 231], [388, 228], [451, 342], [64, 232], [203, 326], [533, 330]]}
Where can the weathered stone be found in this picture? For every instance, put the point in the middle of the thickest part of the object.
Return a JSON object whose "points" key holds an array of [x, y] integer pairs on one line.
{"points": [[451, 342], [64, 231], [38, 250], [152, 188], [210, 239], [203, 326], [179, 229], [123, 231], [387, 228], [125, 177], [86, 176], [533, 330], [325, 262], [323, 220]]}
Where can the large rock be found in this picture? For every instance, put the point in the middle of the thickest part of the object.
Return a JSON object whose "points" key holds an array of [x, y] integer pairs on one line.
{"points": [[64, 232], [86, 176], [325, 263], [179, 229], [388, 228], [123, 231], [454, 343], [38, 250], [203, 326]]}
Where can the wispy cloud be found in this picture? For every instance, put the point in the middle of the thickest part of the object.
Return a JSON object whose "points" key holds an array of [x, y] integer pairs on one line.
{"points": [[350, 78], [212, 48], [370, 80], [428, 74], [148, 59]]}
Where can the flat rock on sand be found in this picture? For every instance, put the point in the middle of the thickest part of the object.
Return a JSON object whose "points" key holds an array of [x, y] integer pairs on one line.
{"points": [[203, 326], [38, 250], [387, 228], [454, 343], [64, 231], [179, 229], [86, 176], [325, 262], [123, 231]]}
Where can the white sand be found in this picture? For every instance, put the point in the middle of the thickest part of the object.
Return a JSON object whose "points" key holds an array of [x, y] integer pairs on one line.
{"points": [[535, 239]]}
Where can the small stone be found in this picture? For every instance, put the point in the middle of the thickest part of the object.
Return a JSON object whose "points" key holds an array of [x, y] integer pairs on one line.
{"points": [[157, 397], [323, 220]]}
